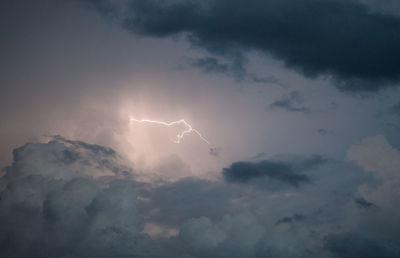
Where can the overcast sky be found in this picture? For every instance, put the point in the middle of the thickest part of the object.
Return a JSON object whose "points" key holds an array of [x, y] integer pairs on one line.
{"points": [[298, 100]]}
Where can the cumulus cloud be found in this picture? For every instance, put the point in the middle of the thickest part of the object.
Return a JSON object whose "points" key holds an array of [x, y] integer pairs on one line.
{"points": [[67, 199], [72, 199], [314, 37], [65, 159], [173, 203], [201, 236]]}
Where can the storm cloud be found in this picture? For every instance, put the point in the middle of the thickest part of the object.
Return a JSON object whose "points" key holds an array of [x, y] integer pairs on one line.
{"points": [[59, 199], [234, 68], [68, 199], [109, 187], [283, 172], [344, 40], [358, 245]]}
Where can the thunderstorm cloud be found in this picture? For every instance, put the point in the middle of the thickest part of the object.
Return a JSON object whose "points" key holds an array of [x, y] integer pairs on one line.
{"points": [[72, 199], [297, 102], [345, 40]]}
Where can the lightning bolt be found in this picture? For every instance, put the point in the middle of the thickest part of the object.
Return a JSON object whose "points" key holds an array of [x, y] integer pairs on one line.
{"points": [[179, 136]]}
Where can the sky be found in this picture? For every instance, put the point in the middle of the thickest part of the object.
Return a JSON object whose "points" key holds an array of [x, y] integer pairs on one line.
{"points": [[297, 104]]}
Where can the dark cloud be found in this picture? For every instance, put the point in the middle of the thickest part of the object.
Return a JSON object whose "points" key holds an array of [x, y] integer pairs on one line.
{"points": [[325, 132], [242, 172], [342, 39], [286, 173], [361, 202], [214, 65], [233, 68], [292, 103], [294, 218], [322, 131], [360, 245]]}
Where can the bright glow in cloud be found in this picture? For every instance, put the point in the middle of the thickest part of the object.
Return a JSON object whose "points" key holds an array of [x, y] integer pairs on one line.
{"points": [[179, 137]]}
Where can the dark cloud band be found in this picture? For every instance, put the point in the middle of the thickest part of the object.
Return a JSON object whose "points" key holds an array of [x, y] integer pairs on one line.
{"points": [[286, 173], [342, 39]]}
